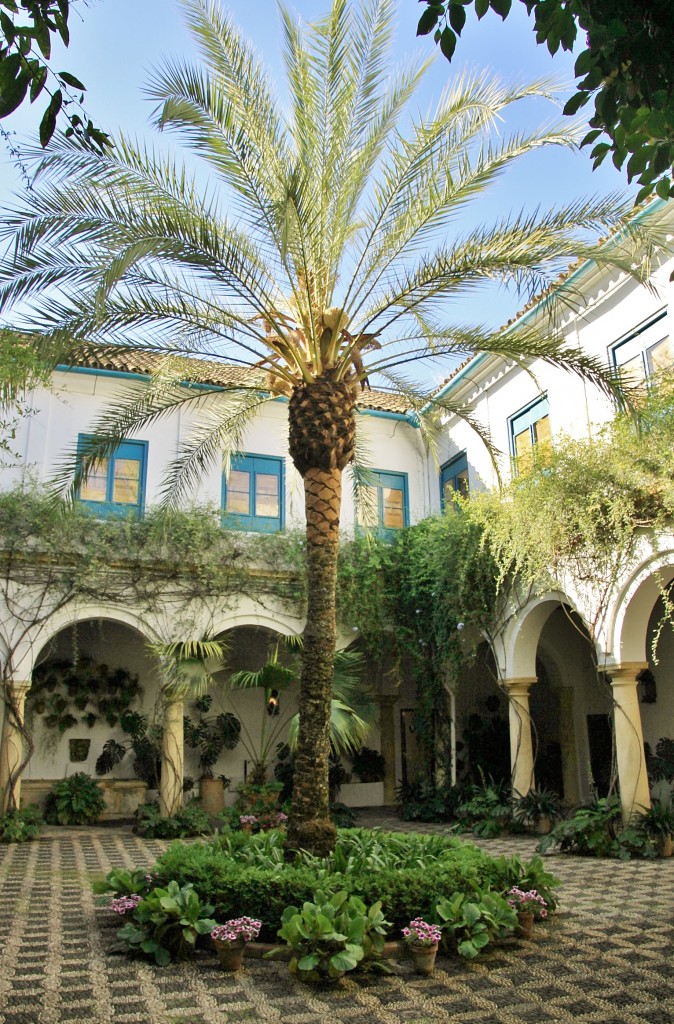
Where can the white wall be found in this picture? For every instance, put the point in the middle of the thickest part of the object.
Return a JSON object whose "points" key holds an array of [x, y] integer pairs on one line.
{"points": [[72, 406]]}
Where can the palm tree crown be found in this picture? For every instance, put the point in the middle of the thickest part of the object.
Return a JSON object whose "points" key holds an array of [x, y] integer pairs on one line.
{"points": [[324, 249]]}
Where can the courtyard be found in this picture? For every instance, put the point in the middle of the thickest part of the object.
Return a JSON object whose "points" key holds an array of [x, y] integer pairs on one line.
{"points": [[606, 956]]}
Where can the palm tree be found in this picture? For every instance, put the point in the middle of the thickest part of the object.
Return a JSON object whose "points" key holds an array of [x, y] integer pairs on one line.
{"points": [[323, 248]]}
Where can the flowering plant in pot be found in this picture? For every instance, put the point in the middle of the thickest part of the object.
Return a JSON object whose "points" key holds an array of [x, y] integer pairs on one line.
{"points": [[422, 939], [529, 906], [230, 940]]}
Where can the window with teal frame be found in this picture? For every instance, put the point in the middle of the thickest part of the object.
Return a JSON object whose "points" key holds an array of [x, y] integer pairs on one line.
{"points": [[645, 351], [116, 484], [454, 480], [253, 494], [384, 503], [529, 428]]}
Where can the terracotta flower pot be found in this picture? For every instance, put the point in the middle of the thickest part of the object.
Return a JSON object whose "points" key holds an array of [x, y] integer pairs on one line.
{"points": [[525, 924], [230, 954], [424, 958], [665, 846], [212, 795]]}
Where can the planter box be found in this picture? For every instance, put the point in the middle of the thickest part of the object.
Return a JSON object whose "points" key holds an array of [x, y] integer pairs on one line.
{"points": [[122, 796], [362, 794]]}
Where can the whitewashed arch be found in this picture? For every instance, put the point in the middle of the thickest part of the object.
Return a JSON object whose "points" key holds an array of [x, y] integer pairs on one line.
{"points": [[627, 632], [523, 632], [72, 615], [276, 621]]}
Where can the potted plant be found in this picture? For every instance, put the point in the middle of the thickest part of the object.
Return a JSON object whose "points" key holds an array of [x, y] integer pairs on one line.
{"points": [[210, 736], [230, 940], [422, 941], [658, 823], [539, 807], [529, 906]]}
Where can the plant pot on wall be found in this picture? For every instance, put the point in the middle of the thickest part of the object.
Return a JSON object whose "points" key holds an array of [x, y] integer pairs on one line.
{"points": [[212, 795], [79, 750]]}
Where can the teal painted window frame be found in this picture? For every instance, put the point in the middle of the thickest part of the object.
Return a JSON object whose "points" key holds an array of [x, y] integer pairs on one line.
{"points": [[641, 331], [527, 417], [255, 464], [449, 473], [382, 478], [135, 450]]}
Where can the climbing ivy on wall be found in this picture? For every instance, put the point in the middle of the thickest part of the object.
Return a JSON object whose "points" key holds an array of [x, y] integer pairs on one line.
{"points": [[579, 513], [426, 600]]}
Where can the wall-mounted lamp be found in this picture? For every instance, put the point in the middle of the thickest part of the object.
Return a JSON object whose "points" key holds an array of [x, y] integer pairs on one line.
{"points": [[273, 706]]}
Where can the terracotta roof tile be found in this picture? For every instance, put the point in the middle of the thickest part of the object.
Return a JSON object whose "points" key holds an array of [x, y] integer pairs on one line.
{"points": [[205, 371]]}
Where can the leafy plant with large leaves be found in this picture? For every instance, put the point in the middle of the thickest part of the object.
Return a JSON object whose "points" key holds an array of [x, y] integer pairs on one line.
{"points": [[323, 247]]}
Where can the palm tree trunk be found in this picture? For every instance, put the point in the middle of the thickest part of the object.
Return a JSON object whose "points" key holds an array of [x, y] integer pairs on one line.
{"points": [[322, 437], [310, 827]]}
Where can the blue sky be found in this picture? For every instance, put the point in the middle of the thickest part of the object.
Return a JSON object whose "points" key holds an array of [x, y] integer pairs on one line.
{"points": [[115, 44]]}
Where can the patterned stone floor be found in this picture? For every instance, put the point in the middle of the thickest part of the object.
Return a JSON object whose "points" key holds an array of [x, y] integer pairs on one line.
{"points": [[607, 957]]}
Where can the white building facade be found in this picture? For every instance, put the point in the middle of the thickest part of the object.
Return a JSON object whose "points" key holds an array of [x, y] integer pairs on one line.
{"points": [[544, 671]]}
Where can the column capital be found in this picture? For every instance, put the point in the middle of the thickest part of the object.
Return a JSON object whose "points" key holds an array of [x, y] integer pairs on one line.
{"points": [[519, 686], [626, 673], [18, 687]]}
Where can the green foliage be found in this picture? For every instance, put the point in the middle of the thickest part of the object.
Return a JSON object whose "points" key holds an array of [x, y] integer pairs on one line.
{"points": [[425, 800], [167, 923], [537, 803], [626, 67], [331, 936], [20, 826], [488, 809], [63, 693], [369, 765], [26, 31], [580, 508], [407, 873], [76, 800], [661, 764], [122, 882], [658, 821], [526, 875], [190, 820], [596, 831], [438, 579], [473, 924], [211, 734], [341, 815]]}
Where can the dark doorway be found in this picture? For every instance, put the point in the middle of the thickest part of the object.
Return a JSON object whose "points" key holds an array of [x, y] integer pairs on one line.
{"points": [[600, 736]]}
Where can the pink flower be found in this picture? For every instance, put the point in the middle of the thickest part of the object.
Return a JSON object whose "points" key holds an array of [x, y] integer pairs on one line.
{"points": [[420, 933], [245, 928], [123, 904]]}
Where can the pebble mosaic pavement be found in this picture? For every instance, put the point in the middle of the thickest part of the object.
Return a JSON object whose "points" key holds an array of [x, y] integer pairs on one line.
{"points": [[607, 957]]}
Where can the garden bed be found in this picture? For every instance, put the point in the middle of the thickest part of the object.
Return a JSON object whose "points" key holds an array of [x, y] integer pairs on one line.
{"points": [[372, 889]]}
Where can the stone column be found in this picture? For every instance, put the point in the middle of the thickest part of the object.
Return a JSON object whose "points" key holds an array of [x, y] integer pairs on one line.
{"points": [[521, 746], [11, 745], [629, 739], [567, 742], [387, 733], [172, 752]]}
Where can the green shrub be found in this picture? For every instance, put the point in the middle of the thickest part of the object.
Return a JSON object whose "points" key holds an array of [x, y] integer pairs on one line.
{"points": [[409, 874], [473, 924], [526, 875], [120, 882], [369, 765], [76, 800], [596, 831], [167, 923], [191, 820], [21, 826], [332, 935]]}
